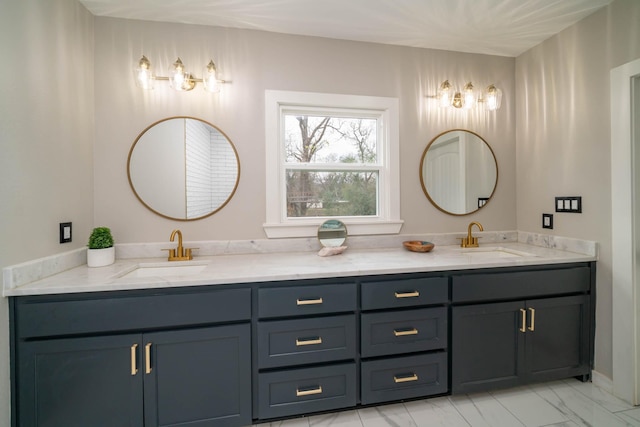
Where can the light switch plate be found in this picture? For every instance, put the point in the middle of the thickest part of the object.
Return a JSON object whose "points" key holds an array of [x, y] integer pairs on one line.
{"points": [[65, 232], [571, 204]]}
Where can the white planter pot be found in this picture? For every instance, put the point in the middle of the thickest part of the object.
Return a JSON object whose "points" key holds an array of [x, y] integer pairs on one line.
{"points": [[101, 257]]}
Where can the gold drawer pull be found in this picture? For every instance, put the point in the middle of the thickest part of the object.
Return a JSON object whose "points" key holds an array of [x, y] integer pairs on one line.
{"points": [[405, 332], [308, 341], [134, 365], [523, 328], [308, 301], [309, 392], [406, 379], [147, 357], [413, 294], [532, 326]]}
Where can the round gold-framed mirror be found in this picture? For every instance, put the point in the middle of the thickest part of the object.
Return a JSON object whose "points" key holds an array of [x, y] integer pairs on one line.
{"points": [[183, 168], [458, 172]]}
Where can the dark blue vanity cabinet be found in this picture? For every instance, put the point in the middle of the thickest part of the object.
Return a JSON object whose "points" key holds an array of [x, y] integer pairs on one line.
{"points": [[156, 358], [230, 355], [514, 327], [306, 348], [404, 338]]}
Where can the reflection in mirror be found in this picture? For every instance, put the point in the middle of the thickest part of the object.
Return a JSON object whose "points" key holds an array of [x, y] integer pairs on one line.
{"points": [[458, 172], [183, 168], [332, 233]]}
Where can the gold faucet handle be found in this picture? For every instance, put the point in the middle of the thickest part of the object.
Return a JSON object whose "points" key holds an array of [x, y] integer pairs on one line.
{"points": [[466, 243], [172, 253], [188, 254]]}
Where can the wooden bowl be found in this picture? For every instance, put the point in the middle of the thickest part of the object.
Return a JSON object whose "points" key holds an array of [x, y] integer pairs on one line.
{"points": [[418, 245]]}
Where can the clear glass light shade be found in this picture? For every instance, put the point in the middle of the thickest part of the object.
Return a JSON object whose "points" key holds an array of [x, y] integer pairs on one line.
{"points": [[492, 98], [210, 78], [458, 100], [143, 74], [179, 79], [445, 94], [470, 96]]}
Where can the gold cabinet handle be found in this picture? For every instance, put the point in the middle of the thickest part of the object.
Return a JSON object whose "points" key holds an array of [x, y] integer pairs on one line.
{"points": [[405, 332], [412, 294], [532, 325], [308, 341], [405, 379], [524, 320], [134, 365], [308, 301], [147, 358], [309, 392]]}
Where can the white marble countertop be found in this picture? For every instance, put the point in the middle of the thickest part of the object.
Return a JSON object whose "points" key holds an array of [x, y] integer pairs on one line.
{"points": [[249, 268]]}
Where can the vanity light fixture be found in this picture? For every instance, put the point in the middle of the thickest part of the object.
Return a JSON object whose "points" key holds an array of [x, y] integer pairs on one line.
{"points": [[467, 98], [179, 79]]}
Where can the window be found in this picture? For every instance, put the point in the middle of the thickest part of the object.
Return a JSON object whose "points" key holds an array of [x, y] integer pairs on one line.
{"points": [[331, 156]]}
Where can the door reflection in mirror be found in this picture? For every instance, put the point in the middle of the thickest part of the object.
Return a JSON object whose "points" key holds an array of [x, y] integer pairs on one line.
{"points": [[183, 168], [458, 172]]}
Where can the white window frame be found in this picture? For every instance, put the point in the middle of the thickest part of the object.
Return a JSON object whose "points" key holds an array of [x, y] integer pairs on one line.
{"points": [[388, 221]]}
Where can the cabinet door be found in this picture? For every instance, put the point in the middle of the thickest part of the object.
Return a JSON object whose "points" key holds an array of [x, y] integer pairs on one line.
{"points": [[557, 338], [198, 377], [487, 346], [95, 381]]}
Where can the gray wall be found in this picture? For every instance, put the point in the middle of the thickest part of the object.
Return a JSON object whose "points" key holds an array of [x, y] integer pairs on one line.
{"points": [[46, 134], [563, 137], [256, 61]]}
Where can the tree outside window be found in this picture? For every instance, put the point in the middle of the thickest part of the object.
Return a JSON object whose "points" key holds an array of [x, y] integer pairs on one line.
{"points": [[331, 165]]}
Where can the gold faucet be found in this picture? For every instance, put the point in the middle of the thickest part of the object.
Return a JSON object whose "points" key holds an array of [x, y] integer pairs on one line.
{"points": [[470, 241], [179, 253]]}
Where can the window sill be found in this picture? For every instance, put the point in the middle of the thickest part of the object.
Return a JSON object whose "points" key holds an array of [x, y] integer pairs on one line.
{"points": [[354, 228]]}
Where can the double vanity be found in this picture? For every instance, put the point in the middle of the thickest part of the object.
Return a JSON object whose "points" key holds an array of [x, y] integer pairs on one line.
{"points": [[231, 340]]}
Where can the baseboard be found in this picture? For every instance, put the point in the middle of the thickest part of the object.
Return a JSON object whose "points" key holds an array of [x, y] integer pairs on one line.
{"points": [[602, 381]]}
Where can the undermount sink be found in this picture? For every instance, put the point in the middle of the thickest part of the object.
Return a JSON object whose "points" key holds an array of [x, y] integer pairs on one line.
{"points": [[166, 269], [493, 252]]}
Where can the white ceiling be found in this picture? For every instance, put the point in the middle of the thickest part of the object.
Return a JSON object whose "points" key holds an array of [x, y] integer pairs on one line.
{"points": [[496, 27]]}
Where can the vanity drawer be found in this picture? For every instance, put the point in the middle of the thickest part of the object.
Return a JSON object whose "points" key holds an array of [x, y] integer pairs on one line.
{"points": [[306, 300], [404, 378], [300, 341], [301, 391], [521, 284], [102, 312], [404, 293], [403, 331]]}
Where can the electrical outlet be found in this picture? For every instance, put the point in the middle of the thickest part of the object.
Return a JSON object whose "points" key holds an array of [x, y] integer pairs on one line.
{"points": [[547, 221], [571, 204], [65, 232]]}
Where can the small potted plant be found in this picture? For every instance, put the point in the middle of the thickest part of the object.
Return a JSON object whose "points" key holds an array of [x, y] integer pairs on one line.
{"points": [[101, 251]]}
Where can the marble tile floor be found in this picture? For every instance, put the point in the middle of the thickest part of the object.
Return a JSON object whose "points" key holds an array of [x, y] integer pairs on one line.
{"points": [[566, 403]]}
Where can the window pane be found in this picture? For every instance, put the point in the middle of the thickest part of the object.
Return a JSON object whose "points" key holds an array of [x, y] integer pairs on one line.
{"points": [[326, 139], [322, 193]]}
